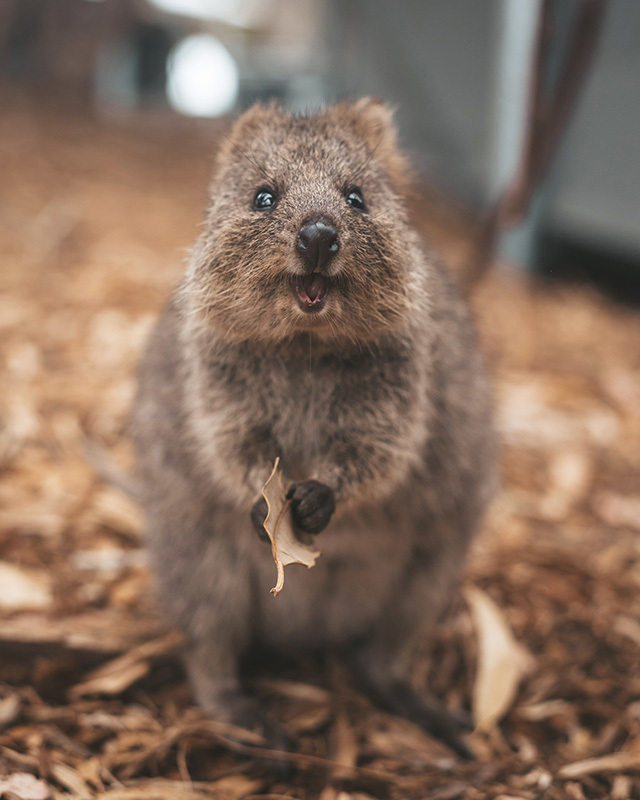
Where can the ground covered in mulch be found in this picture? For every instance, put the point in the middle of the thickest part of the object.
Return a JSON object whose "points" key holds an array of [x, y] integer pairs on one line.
{"points": [[95, 217]]}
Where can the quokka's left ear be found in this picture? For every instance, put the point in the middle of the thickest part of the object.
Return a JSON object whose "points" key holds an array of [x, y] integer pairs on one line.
{"points": [[373, 120]]}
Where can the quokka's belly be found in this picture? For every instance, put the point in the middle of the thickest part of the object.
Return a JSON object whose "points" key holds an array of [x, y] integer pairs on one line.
{"points": [[339, 598]]}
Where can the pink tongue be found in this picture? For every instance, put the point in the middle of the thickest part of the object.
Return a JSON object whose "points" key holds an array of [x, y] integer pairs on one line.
{"points": [[313, 285]]}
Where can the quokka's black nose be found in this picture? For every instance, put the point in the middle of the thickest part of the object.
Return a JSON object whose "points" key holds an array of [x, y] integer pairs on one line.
{"points": [[317, 243]]}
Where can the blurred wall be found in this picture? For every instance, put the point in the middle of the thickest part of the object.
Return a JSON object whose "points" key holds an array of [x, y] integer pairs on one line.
{"points": [[437, 62], [459, 74]]}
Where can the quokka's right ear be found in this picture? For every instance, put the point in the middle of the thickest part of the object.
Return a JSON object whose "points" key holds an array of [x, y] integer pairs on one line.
{"points": [[255, 117]]}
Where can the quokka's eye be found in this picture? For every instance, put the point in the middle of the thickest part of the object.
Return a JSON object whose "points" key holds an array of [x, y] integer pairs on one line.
{"points": [[355, 199], [265, 198]]}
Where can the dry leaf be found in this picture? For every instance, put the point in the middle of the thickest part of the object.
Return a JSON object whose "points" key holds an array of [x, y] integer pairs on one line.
{"points": [[510, 797], [614, 762], [294, 690], [72, 780], [95, 631], [156, 790], [117, 675], [343, 743], [621, 788], [343, 751], [285, 545], [24, 786], [545, 710], [501, 661], [617, 510], [9, 709], [231, 787], [23, 588]]}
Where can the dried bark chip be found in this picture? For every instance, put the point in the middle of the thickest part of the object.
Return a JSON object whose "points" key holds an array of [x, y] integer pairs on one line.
{"points": [[285, 545]]}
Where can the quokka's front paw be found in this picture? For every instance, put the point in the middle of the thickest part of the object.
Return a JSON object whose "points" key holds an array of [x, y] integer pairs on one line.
{"points": [[312, 504]]}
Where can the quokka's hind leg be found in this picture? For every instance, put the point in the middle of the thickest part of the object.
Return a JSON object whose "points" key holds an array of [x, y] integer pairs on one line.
{"points": [[381, 661]]}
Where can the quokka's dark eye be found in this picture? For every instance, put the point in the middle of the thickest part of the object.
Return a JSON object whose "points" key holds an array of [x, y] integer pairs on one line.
{"points": [[354, 198], [265, 198]]}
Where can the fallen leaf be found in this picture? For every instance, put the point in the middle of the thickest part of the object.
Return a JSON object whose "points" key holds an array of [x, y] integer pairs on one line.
{"points": [[502, 662], [617, 510], [118, 674], [71, 779], [232, 787], [94, 631], [510, 797], [294, 689], [112, 684], [545, 710], [614, 762], [285, 545], [156, 790], [9, 709], [23, 588], [344, 751], [24, 786], [621, 788], [569, 475]]}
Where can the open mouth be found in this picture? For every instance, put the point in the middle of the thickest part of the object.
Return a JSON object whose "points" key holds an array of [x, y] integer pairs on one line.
{"points": [[311, 290]]}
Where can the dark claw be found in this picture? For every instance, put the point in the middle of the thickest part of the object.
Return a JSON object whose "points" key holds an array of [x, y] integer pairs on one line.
{"points": [[258, 516], [312, 504]]}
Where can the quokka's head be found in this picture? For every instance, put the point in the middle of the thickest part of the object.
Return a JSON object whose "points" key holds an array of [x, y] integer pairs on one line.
{"points": [[306, 229]]}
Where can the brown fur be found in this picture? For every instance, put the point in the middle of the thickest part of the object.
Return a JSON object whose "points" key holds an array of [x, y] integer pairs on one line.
{"points": [[380, 397]]}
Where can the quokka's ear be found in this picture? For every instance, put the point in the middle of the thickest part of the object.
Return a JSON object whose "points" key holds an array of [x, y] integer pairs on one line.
{"points": [[372, 119], [260, 115], [254, 117]]}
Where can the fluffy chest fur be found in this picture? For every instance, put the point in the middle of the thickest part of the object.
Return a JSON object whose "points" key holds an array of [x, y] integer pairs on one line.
{"points": [[311, 408]]}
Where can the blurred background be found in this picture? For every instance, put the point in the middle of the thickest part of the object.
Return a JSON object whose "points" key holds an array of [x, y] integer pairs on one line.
{"points": [[110, 114], [458, 73]]}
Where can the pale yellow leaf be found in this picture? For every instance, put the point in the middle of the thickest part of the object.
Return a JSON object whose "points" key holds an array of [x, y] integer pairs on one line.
{"points": [[23, 588], [285, 545], [24, 786], [502, 662]]}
